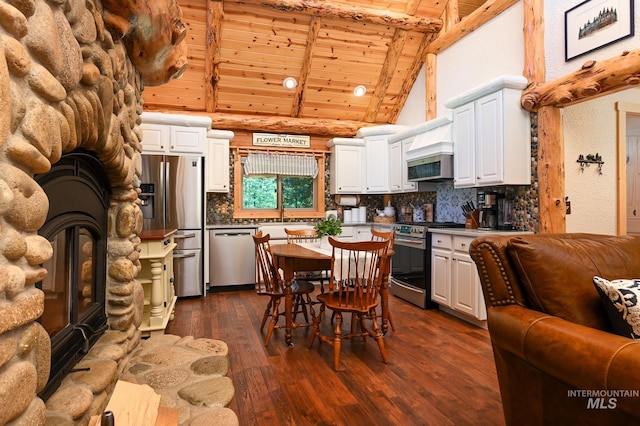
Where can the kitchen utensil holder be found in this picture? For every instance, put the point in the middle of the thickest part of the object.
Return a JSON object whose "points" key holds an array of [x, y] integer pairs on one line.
{"points": [[473, 222]]}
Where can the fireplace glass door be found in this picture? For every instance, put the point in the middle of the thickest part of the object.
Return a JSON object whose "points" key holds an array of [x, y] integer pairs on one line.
{"points": [[75, 286], [69, 286]]}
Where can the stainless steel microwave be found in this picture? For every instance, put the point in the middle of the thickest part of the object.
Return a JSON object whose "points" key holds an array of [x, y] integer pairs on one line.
{"points": [[434, 168]]}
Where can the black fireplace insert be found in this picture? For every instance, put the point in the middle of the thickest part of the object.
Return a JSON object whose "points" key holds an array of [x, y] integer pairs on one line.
{"points": [[74, 313]]}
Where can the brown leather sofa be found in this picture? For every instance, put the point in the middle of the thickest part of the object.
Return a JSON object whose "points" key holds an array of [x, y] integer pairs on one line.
{"points": [[555, 350]]}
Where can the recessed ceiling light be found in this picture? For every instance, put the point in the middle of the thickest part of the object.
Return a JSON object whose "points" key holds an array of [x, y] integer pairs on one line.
{"points": [[360, 90], [289, 83]]}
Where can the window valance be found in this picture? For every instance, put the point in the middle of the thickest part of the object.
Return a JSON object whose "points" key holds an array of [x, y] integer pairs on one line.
{"points": [[280, 164]]}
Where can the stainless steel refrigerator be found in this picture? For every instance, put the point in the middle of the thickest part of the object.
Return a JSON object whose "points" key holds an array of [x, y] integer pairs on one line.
{"points": [[172, 197]]}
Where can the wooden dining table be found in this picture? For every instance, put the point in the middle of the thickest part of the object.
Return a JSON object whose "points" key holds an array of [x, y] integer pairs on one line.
{"points": [[292, 258]]}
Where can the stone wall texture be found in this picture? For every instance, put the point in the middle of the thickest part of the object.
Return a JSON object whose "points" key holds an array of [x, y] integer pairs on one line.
{"points": [[64, 84]]}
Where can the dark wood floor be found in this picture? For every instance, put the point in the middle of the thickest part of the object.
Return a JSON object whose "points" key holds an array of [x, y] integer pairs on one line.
{"points": [[441, 369]]}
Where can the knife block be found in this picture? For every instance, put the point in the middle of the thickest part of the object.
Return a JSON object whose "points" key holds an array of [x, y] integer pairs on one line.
{"points": [[474, 221]]}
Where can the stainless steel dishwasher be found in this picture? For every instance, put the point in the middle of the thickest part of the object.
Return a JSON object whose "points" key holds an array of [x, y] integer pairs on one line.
{"points": [[232, 259]]}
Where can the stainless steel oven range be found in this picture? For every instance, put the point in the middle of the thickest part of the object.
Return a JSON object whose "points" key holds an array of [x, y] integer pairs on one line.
{"points": [[411, 265]]}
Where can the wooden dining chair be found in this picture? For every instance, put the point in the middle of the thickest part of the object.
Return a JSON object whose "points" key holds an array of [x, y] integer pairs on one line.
{"points": [[354, 285], [390, 237], [301, 235], [269, 283], [295, 236]]}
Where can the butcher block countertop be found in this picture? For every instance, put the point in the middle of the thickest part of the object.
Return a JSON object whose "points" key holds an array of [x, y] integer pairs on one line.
{"points": [[156, 234]]}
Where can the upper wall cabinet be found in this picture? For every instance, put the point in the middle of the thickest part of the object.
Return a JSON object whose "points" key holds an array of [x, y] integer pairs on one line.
{"points": [[492, 135], [380, 160], [174, 133], [217, 160], [398, 172], [377, 164], [347, 165], [361, 165]]}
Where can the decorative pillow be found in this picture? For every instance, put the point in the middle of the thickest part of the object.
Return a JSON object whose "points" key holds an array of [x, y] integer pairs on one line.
{"points": [[621, 299]]}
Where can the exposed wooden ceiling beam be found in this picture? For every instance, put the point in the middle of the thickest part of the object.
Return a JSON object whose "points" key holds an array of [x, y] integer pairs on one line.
{"points": [[388, 68], [215, 15], [412, 76], [451, 16], [354, 13], [312, 37], [593, 79], [278, 124], [399, 39], [489, 10]]}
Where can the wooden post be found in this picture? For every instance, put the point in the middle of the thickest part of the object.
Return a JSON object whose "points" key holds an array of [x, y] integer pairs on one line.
{"points": [[215, 14], [551, 181], [430, 89]]}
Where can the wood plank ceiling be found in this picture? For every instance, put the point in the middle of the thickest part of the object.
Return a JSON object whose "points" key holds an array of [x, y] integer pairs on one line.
{"points": [[240, 51]]}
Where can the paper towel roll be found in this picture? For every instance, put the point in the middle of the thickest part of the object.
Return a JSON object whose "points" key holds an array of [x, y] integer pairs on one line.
{"points": [[347, 200]]}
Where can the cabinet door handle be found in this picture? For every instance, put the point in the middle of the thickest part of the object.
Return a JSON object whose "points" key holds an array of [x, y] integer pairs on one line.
{"points": [[463, 244]]}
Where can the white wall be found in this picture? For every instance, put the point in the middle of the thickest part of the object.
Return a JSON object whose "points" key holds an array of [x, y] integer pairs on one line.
{"points": [[495, 49], [415, 108], [590, 128], [554, 40]]}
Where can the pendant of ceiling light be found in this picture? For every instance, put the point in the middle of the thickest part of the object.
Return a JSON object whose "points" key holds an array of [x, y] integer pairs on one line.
{"points": [[289, 83], [359, 90]]}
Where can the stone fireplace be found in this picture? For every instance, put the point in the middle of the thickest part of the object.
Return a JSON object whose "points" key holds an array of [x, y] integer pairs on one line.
{"points": [[69, 89]]}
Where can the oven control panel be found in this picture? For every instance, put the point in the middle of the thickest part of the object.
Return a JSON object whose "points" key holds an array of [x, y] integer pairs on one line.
{"points": [[413, 230], [420, 230]]}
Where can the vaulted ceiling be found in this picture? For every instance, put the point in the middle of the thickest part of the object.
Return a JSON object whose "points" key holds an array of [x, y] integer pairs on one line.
{"points": [[240, 51]]}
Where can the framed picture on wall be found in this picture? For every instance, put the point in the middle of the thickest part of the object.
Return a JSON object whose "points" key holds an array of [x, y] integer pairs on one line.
{"points": [[594, 24]]}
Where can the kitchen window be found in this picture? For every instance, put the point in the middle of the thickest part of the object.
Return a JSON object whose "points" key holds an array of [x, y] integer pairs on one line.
{"points": [[278, 185]]}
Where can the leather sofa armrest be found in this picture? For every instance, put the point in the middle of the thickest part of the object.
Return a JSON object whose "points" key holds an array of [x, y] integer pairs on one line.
{"points": [[499, 280], [583, 358]]}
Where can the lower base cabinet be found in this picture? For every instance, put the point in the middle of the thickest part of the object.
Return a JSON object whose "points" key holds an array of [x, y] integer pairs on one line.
{"points": [[156, 277], [455, 283]]}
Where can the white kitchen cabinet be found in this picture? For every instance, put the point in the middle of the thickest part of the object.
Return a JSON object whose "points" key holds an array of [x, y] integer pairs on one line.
{"points": [[217, 161], [348, 233], [347, 165], [377, 164], [441, 269], [492, 135], [455, 283], [464, 157], [173, 133], [362, 233], [406, 185], [155, 138], [395, 166], [398, 172], [466, 289], [163, 139]]}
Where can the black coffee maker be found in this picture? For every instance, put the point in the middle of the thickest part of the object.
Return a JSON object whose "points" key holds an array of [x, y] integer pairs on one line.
{"points": [[488, 204]]}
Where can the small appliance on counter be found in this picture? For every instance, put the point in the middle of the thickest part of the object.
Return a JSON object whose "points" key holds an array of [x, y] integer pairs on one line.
{"points": [[488, 217], [505, 214]]}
